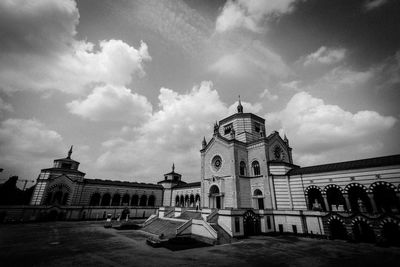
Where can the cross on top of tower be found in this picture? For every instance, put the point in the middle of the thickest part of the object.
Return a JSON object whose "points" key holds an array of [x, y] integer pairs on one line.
{"points": [[70, 153]]}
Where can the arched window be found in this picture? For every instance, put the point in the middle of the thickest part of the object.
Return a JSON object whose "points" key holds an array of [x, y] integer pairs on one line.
{"points": [[135, 200], [182, 202], [335, 198], [143, 200], [256, 167], [105, 201], [358, 198], [152, 201], [95, 199], [242, 168], [125, 199], [116, 199], [315, 200], [177, 201]]}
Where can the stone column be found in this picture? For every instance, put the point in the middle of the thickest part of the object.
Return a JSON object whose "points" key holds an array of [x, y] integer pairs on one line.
{"points": [[372, 201], [327, 207], [347, 200]]}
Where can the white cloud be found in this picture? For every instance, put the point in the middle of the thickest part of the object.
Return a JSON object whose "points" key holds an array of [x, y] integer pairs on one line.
{"points": [[113, 103], [39, 50], [249, 13], [372, 4], [325, 55], [343, 78], [173, 134], [268, 95], [5, 107], [316, 128], [27, 145], [250, 58]]}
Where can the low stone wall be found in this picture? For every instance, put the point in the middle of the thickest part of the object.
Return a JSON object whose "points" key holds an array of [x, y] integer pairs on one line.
{"points": [[9, 214]]}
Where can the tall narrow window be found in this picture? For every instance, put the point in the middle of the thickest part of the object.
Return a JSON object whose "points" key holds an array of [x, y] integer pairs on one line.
{"points": [[256, 167], [237, 224], [228, 128], [242, 168]]}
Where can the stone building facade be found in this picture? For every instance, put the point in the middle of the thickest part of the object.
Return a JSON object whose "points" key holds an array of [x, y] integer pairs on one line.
{"points": [[248, 185]]}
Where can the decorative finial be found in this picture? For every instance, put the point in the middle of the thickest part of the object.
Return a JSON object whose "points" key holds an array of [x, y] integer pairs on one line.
{"points": [[286, 139], [173, 167], [240, 107], [70, 153], [216, 128], [204, 143]]}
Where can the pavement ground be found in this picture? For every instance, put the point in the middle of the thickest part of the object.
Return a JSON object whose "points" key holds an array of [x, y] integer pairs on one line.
{"points": [[90, 244]]}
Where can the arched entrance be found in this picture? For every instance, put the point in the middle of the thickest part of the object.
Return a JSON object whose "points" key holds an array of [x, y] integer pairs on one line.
{"points": [[337, 229], [95, 199], [391, 233], [125, 200], [215, 197], [125, 214], [363, 232], [251, 223], [197, 198]]}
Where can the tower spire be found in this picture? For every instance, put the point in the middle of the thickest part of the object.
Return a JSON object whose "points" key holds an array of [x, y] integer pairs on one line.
{"points": [[173, 167], [240, 107], [70, 152]]}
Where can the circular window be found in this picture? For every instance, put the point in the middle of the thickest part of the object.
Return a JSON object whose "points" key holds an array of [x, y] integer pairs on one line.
{"points": [[216, 163]]}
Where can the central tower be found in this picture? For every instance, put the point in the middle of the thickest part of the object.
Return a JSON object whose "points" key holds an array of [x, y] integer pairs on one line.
{"points": [[235, 163]]}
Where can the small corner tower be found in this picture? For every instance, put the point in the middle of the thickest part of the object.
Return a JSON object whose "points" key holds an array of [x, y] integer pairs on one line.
{"points": [[171, 179]]}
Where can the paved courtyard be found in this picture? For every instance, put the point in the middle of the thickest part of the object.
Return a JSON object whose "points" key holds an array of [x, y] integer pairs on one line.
{"points": [[89, 244]]}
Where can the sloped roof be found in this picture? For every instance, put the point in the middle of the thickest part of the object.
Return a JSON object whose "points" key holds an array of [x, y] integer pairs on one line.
{"points": [[349, 165], [62, 170], [121, 183], [195, 184]]}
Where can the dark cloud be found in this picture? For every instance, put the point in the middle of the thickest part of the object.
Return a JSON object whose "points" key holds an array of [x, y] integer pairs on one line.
{"points": [[369, 36]]}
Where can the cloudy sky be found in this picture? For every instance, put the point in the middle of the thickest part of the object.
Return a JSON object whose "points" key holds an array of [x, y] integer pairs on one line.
{"points": [[135, 85]]}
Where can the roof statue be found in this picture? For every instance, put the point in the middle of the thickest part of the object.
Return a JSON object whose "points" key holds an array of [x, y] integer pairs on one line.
{"points": [[216, 128], [240, 107]]}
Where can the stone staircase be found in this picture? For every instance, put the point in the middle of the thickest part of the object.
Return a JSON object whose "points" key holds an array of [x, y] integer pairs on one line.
{"points": [[165, 227], [187, 215], [223, 236], [189, 223]]}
